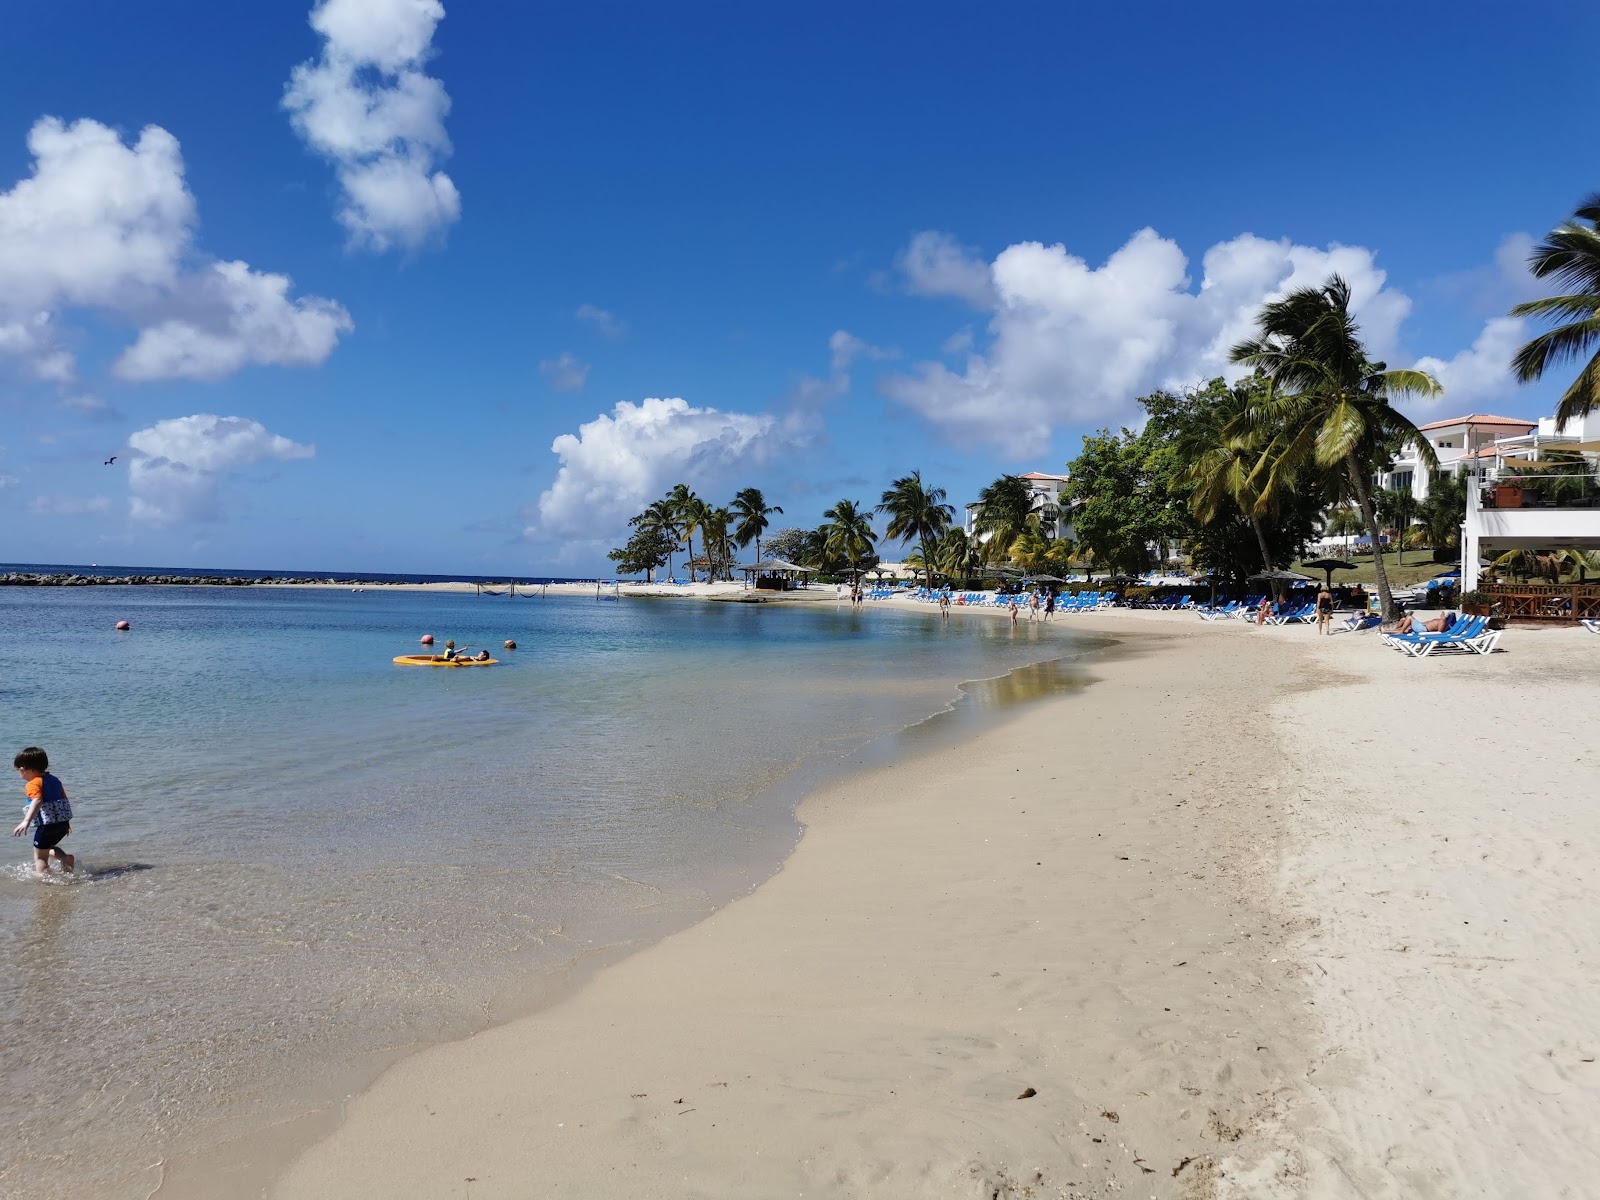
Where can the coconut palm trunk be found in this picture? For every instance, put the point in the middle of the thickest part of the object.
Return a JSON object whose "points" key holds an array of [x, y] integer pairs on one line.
{"points": [[1369, 514], [1261, 540]]}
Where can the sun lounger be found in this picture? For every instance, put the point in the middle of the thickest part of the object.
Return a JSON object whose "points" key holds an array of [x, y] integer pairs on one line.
{"points": [[1358, 623], [1591, 626], [1468, 633]]}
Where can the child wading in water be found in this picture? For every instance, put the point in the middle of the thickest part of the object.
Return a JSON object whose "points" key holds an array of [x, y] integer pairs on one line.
{"points": [[49, 814]]}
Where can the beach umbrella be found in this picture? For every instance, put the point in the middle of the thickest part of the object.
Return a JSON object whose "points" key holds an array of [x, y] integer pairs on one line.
{"points": [[1329, 565], [1048, 579]]}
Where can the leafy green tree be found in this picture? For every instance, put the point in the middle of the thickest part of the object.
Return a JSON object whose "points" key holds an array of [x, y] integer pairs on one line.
{"points": [[1570, 257], [1004, 507], [849, 534], [751, 515], [789, 545], [1118, 509], [1330, 403], [648, 550], [917, 513]]}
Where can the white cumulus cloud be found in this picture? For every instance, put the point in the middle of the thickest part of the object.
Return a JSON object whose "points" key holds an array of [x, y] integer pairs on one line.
{"points": [[368, 106], [1480, 375], [177, 464], [1075, 344], [620, 461], [103, 225], [565, 372]]}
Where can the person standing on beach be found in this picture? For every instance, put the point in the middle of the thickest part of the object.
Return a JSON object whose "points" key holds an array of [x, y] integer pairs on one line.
{"points": [[48, 814], [944, 605], [1049, 604], [1012, 604], [1033, 605], [1325, 611]]}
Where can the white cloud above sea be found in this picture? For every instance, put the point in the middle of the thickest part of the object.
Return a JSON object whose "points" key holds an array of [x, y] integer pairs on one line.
{"points": [[177, 466], [1074, 344], [616, 464], [368, 106], [107, 226]]}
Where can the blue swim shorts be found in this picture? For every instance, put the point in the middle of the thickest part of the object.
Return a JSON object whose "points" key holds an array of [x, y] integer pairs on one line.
{"points": [[48, 837]]}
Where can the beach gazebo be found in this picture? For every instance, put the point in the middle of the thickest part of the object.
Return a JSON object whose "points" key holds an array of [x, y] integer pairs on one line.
{"points": [[774, 574]]}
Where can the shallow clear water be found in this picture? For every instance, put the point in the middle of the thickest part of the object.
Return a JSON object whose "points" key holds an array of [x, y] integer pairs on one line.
{"points": [[302, 859]]}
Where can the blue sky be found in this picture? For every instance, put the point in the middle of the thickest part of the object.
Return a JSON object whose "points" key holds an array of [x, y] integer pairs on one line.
{"points": [[834, 243]]}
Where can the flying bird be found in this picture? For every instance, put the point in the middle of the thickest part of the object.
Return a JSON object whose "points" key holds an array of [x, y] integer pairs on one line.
{"points": [[110, 460]]}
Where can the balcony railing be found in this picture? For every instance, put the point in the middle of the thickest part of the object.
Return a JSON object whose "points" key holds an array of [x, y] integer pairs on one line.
{"points": [[1544, 601]]}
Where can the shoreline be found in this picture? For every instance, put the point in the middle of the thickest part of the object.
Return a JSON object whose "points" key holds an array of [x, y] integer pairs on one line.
{"points": [[668, 1018], [1212, 929], [243, 1164]]}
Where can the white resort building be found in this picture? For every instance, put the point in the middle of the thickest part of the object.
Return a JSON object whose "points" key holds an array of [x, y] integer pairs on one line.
{"points": [[1536, 490], [1454, 441]]}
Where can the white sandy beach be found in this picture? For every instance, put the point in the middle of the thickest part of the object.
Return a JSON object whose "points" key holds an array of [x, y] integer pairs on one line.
{"points": [[1255, 915]]}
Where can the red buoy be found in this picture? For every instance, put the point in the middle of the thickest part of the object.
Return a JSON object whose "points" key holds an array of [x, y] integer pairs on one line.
{"points": [[427, 639], [124, 626]]}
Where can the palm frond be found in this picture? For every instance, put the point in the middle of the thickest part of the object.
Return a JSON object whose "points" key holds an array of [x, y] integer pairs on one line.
{"points": [[1569, 255], [1578, 306], [1583, 397], [1558, 345]]}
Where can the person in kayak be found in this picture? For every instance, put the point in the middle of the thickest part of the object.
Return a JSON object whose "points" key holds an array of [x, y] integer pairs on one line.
{"points": [[449, 654]]}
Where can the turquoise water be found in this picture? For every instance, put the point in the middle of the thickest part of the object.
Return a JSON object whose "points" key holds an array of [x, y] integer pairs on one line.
{"points": [[303, 859]]}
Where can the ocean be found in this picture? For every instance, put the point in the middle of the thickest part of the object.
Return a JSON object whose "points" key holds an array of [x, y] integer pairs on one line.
{"points": [[298, 860]]}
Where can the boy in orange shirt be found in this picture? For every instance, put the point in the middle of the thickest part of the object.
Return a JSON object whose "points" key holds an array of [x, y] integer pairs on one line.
{"points": [[49, 814]]}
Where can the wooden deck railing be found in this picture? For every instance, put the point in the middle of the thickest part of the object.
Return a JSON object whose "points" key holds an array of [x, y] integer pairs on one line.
{"points": [[1544, 601]]}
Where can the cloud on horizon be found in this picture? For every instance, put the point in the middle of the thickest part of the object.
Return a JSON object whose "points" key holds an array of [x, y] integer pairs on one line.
{"points": [[177, 465], [619, 462], [368, 107]]}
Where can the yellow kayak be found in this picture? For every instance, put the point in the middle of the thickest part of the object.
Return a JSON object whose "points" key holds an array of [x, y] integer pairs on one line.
{"points": [[430, 660]]}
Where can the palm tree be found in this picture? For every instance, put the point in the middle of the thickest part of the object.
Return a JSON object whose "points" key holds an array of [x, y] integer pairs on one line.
{"points": [[1003, 510], [1396, 506], [1444, 510], [1029, 549], [1570, 256], [717, 543], [662, 517], [954, 553], [1226, 458], [688, 509], [849, 534], [1330, 405], [916, 513], [751, 510]]}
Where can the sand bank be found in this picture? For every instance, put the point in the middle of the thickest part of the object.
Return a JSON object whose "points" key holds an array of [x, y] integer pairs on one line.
{"points": [[1256, 915]]}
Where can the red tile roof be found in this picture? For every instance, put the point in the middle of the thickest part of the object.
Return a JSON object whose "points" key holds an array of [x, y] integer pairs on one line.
{"points": [[1040, 475], [1481, 419]]}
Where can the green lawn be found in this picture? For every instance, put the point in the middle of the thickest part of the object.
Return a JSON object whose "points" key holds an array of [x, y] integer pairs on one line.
{"points": [[1419, 566]]}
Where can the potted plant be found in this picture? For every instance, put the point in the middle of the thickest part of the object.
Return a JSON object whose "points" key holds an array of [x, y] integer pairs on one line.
{"points": [[1477, 604], [1508, 495]]}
